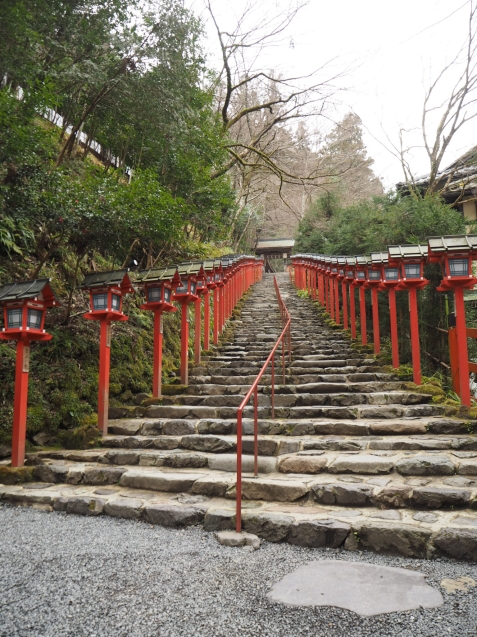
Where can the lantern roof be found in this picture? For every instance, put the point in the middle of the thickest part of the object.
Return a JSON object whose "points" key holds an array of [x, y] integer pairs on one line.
{"points": [[453, 243], [159, 274], [351, 261], [408, 252], [29, 290], [120, 278], [362, 259], [208, 265], [341, 260], [379, 258], [188, 268]]}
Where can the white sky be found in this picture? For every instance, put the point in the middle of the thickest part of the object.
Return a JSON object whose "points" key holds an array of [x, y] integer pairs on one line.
{"points": [[393, 48]]}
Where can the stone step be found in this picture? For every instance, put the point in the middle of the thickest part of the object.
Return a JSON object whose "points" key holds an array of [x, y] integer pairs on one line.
{"points": [[426, 500], [416, 427], [363, 411], [291, 456], [406, 532], [320, 387], [318, 398], [246, 381]]}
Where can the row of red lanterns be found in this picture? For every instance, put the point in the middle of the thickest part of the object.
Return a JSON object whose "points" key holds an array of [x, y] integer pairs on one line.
{"points": [[25, 304], [400, 268]]}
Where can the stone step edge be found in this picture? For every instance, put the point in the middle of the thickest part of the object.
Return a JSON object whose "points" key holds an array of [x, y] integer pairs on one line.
{"points": [[281, 427], [220, 481], [421, 541]]}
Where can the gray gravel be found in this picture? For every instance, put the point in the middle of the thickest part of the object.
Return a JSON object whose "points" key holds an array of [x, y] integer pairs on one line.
{"points": [[69, 576]]}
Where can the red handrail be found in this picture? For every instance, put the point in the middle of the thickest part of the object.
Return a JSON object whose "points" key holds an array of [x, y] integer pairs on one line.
{"points": [[284, 336]]}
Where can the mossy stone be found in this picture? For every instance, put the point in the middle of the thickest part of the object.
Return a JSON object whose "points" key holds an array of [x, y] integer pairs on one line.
{"points": [[16, 475]]}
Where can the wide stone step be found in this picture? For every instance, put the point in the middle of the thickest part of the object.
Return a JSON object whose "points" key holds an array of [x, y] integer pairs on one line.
{"points": [[217, 380], [464, 446], [409, 533], [293, 455], [391, 428], [298, 400]]}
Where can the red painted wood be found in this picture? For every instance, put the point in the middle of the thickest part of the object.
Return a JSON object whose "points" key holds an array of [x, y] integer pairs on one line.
{"points": [[207, 320], [184, 345], [157, 368], [20, 406], [462, 349], [104, 369], [362, 315], [352, 311], [415, 346], [345, 304], [394, 328], [376, 334], [197, 331]]}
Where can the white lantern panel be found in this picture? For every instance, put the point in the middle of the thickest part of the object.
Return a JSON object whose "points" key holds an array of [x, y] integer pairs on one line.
{"points": [[34, 319], [100, 301], [14, 317]]}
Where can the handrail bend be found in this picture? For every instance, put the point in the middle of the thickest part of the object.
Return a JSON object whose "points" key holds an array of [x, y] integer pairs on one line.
{"points": [[285, 337]]}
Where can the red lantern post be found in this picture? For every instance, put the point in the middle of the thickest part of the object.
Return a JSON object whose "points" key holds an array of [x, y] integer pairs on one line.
{"points": [[456, 253], [201, 291], [411, 259], [185, 294], [373, 283], [335, 288], [210, 283], [342, 280], [158, 285], [24, 307], [390, 279], [219, 284], [106, 291], [329, 305], [350, 278], [321, 279], [359, 281]]}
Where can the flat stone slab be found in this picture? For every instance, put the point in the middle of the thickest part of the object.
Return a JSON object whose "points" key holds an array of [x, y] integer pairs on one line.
{"points": [[365, 589]]}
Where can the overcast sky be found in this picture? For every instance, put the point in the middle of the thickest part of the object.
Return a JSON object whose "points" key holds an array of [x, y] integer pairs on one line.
{"points": [[393, 50]]}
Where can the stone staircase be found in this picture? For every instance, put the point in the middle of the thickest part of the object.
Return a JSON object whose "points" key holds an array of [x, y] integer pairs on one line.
{"points": [[351, 459]]}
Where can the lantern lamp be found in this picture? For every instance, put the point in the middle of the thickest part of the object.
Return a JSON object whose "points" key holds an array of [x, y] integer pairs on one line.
{"points": [[411, 259], [350, 268], [361, 269], [106, 291], [24, 306], [374, 276], [158, 285], [341, 267], [389, 281], [186, 293], [455, 254]]}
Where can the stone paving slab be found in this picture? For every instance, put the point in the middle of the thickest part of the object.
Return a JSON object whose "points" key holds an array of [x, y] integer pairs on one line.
{"points": [[365, 589]]}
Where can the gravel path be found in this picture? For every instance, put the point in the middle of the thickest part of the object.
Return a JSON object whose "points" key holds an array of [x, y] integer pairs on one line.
{"points": [[68, 576]]}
